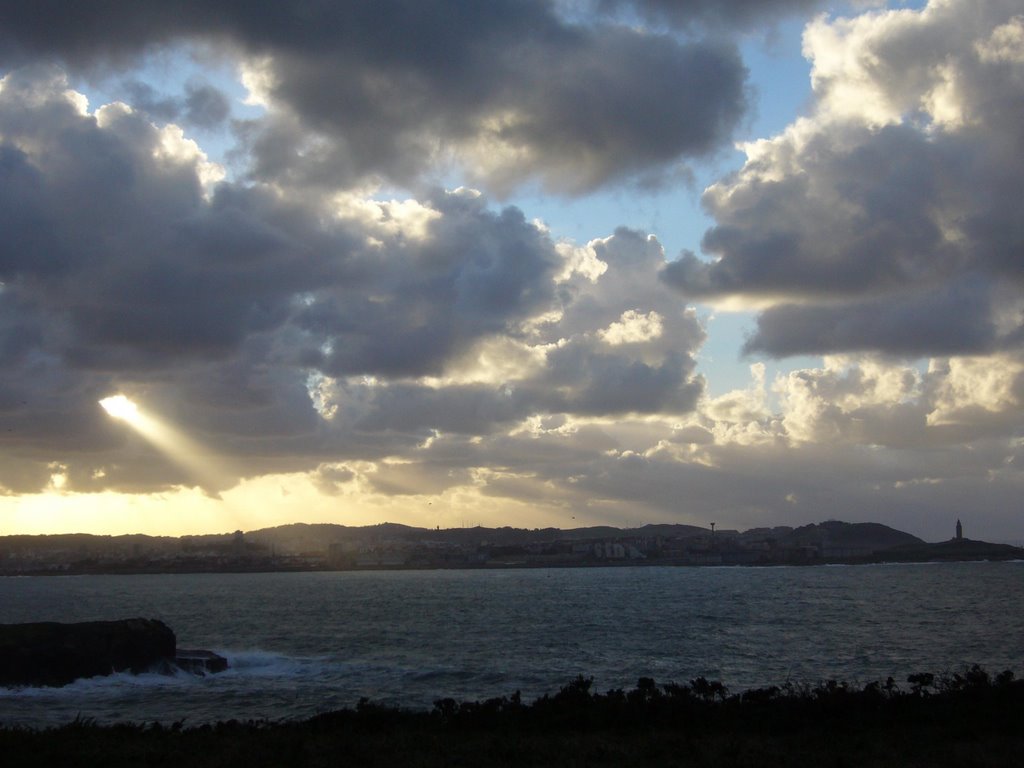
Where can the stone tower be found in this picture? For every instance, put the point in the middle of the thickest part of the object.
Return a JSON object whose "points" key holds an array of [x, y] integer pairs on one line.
{"points": [[959, 531]]}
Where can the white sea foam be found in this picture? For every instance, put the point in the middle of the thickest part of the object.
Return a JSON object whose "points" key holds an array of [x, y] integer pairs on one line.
{"points": [[105, 683], [268, 664]]}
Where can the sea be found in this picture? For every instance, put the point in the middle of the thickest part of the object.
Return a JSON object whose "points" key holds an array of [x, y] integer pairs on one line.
{"points": [[299, 644]]}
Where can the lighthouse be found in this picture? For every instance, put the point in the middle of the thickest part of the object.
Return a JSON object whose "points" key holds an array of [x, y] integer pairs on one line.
{"points": [[959, 531]]}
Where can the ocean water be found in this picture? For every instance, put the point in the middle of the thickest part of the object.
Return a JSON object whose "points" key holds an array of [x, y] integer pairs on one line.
{"points": [[302, 643]]}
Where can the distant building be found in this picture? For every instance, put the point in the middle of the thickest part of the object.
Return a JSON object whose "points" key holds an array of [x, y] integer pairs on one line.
{"points": [[615, 550], [959, 531]]}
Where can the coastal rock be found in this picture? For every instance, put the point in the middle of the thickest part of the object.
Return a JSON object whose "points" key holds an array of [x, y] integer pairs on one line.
{"points": [[55, 654], [199, 661]]}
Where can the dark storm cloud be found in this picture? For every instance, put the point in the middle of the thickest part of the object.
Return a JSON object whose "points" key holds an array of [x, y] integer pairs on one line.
{"points": [[476, 273], [118, 270], [205, 106], [857, 221], [432, 31], [584, 382], [888, 221], [578, 366], [511, 89], [743, 14], [201, 105], [575, 108], [136, 267], [953, 321], [462, 409], [118, 246], [580, 371], [147, 99], [603, 383], [224, 308]]}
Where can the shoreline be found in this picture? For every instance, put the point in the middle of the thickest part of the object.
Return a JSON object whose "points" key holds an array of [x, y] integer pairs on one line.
{"points": [[221, 568]]}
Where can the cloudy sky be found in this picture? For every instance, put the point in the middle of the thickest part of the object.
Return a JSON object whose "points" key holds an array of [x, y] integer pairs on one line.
{"points": [[522, 262]]}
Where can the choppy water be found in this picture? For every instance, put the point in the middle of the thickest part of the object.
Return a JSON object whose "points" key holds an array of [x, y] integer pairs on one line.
{"points": [[303, 643]]}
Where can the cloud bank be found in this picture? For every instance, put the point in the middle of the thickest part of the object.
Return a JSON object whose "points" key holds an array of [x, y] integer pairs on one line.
{"points": [[312, 300], [886, 221], [128, 264], [509, 92]]}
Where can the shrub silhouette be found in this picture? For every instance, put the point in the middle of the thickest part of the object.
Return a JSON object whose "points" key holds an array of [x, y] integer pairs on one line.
{"points": [[961, 718]]}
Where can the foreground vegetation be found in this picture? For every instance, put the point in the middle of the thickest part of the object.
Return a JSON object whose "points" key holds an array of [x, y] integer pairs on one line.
{"points": [[960, 719]]}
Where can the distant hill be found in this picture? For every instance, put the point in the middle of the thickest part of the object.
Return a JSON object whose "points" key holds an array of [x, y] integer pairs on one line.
{"points": [[303, 537], [83, 543], [836, 537], [668, 530], [955, 549], [862, 538], [309, 546]]}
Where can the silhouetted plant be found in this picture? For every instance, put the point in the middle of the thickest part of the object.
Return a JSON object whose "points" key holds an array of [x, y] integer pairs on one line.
{"points": [[575, 691], [1004, 678], [969, 718], [977, 677], [646, 691], [920, 682], [709, 690], [760, 695], [831, 688], [446, 708], [973, 677], [677, 691]]}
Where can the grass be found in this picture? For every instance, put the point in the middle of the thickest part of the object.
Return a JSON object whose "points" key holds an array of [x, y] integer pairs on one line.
{"points": [[962, 719]]}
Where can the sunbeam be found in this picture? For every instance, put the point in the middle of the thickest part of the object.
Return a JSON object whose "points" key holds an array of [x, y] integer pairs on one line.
{"points": [[120, 407], [201, 465]]}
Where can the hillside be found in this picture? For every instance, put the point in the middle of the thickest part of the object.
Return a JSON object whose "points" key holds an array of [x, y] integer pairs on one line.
{"points": [[302, 537], [854, 538], [955, 549]]}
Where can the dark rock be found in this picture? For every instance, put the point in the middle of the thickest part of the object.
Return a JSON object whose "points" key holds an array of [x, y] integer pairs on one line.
{"points": [[199, 662], [50, 653]]}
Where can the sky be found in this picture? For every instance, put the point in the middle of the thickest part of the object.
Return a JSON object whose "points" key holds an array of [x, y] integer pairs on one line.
{"points": [[524, 262]]}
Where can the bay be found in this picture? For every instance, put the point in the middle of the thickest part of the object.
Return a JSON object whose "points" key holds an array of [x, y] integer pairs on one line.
{"points": [[302, 643]]}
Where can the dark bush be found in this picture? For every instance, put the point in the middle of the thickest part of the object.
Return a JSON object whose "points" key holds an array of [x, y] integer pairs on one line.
{"points": [[969, 718]]}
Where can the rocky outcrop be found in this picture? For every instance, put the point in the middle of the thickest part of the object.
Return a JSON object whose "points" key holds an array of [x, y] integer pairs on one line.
{"points": [[50, 653], [199, 661]]}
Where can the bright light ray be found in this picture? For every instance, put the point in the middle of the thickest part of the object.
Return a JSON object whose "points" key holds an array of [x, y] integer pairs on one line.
{"points": [[178, 447], [120, 407]]}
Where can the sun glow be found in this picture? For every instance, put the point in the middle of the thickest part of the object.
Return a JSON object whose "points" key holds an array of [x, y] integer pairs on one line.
{"points": [[120, 407], [181, 449]]}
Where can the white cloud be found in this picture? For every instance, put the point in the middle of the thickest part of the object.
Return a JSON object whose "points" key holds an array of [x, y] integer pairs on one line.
{"points": [[966, 390], [1005, 45], [633, 327]]}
